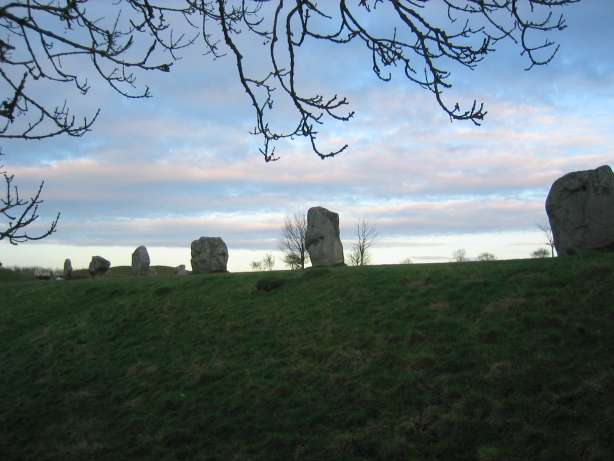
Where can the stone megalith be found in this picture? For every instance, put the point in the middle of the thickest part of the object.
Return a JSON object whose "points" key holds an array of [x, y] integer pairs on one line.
{"points": [[140, 261], [209, 254], [180, 270], [67, 272], [580, 207], [99, 266], [322, 237]]}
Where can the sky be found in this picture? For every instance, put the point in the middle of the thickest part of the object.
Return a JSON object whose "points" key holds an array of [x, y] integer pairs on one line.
{"points": [[166, 170]]}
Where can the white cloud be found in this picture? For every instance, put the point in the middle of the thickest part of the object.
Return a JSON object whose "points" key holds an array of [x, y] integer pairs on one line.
{"points": [[167, 170]]}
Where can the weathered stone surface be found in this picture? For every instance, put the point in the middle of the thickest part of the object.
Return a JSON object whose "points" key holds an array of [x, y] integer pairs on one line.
{"points": [[209, 254], [580, 207], [99, 266], [140, 261], [322, 237], [181, 270], [67, 272]]}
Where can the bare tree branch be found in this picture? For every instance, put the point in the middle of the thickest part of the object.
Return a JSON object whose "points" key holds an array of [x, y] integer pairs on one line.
{"points": [[20, 213], [60, 43], [65, 42]]}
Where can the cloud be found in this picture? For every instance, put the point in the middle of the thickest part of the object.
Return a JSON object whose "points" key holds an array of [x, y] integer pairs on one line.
{"points": [[524, 150], [169, 186], [166, 170], [261, 229]]}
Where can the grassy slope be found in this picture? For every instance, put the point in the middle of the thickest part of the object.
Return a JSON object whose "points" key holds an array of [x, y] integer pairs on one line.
{"points": [[509, 360]]}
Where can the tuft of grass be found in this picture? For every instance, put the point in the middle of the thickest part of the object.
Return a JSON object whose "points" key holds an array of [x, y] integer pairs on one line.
{"points": [[506, 360]]}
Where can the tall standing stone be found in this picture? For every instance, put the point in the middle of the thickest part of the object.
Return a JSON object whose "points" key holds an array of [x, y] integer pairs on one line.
{"points": [[67, 272], [209, 254], [99, 266], [322, 237], [580, 207], [140, 261]]}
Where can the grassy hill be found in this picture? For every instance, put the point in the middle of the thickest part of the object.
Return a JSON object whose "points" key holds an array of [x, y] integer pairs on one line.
{"points": [[504, 360]]}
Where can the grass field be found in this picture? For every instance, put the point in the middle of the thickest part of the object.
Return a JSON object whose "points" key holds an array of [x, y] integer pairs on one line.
{"points": [[504, 360]]}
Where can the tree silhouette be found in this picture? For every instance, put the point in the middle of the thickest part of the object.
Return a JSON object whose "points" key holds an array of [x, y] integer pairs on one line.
{"points": [[268, 262], [69, 42], [486, 256], [541, 253], [20, 213], [366, 235], [460, 256], [292, 242], [545, 228]]}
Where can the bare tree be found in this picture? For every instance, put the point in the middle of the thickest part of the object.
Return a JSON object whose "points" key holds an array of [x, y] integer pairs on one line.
{"points": [[256, 265], [548, 236], [61, 42], [265, 264], [366, 235], [486, 256], [268, 262], [292, 242], [20, 213], [460, 256], [540, 253]]}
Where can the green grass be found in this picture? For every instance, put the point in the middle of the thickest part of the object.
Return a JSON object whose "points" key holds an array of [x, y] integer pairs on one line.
{"points": [[504, 360]]}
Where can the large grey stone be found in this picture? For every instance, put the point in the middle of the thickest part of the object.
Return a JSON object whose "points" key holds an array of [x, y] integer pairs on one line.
{"points": [[67, 272], [322, 237], [140, 261], [580, 207], [99, 266], [181, 270], [209, 254]]}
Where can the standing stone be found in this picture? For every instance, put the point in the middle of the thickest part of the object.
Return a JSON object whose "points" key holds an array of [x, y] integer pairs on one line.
{"points": [[180, 270], [99, 266], [140, 261], [67, 272], [580, 207], [209, 254], [322, 237]]}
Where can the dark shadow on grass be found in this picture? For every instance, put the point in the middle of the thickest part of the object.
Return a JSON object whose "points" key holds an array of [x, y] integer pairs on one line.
{"points": [[269, 284]]}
